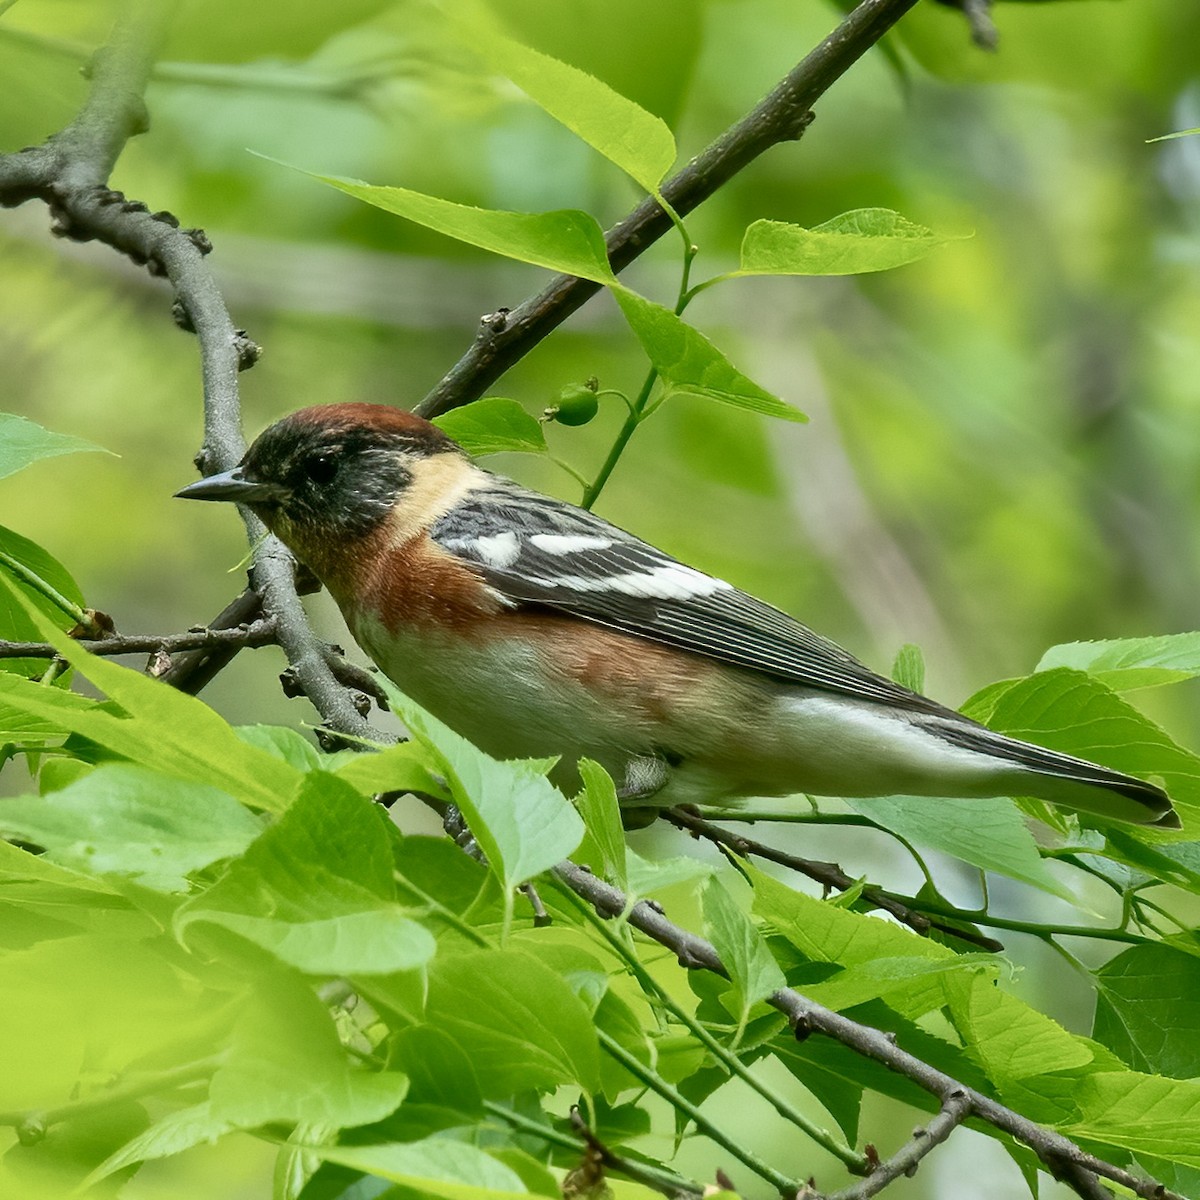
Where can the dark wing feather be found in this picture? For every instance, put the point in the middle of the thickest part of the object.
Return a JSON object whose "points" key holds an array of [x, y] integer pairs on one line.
{"points": [[621, 582]]}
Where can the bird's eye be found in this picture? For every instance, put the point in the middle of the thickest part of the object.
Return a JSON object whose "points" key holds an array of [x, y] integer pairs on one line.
{"points": [[321, 468]]}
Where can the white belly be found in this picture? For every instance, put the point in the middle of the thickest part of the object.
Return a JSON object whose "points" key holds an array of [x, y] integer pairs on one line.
{"points": [[762, 739], [499, 697]]}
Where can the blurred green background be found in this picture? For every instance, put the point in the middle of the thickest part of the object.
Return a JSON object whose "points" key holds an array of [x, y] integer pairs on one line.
{"points": [[1003, 450]]}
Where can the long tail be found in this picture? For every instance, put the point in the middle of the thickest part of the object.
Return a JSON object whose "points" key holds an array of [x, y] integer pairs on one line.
{"points": [[1066, 779]]}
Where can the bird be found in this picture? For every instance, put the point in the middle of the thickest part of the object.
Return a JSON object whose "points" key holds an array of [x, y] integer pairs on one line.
{"points": [[537, 629]]}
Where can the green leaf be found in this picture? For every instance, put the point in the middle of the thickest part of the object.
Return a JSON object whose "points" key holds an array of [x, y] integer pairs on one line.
{"points": [[51, 716], [1167, 862], [162, 728], [908, 669], [911, 986], [1012, 1042], [625, 133], [433, 867], [170, 1135], [822, 1059], [1148, 1009], [23, 442], [285, 1063], [1170, 137], [823, 932], [1067, 710], [841, 1096], [1147, 1114], [1129, 663], [753, 971], [369, 941], [522, 822], [603, 846], [437, 1166], [316, 890], [294, 1164], [616, 1018], [404, 767], [288, 744], [81, 1011], [21, 866], [568, 240], [438, 1071], [127, 820], [493, 425], [16, 625], [880, 959], [648, 877], [991, 834], [520, 1024], [867, 239], [19, 726], [689, 362]]}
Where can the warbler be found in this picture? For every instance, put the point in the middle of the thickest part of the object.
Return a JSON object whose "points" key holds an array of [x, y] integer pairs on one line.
{"points": [[536, 629]]}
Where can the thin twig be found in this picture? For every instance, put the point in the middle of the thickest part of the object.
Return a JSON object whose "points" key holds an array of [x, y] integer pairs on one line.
{"points": [[782, 1183], [669, 1185], [752, 816], [1042, 929], [954, 1111], [782, 116], [666, 1182], [192, 670], [828, 875], [541, 918], [260, 633]]}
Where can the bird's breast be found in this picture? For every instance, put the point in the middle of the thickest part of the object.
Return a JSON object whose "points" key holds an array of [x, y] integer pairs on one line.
{"points": [[522, 682]]}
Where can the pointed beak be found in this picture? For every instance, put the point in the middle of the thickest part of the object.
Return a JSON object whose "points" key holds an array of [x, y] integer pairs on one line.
{"points": [[232, 485]]}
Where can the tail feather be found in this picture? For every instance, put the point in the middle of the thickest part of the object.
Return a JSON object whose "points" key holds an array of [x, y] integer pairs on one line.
{"points": [[1069, 780]]}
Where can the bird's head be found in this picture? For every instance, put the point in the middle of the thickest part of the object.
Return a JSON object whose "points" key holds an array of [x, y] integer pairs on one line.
{"points": [[330, 475]]}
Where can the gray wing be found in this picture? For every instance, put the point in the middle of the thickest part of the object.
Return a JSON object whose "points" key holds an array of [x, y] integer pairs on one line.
{"points": [[539, 552]]}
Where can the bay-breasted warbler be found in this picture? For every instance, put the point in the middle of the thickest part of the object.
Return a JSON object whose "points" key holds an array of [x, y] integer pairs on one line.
{"points": [[535, 629]]}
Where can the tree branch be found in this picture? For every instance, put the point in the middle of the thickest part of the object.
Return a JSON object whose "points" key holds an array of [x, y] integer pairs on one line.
{"points": [[782, 116], [260, 633], [1061, 1157], [191, 670], [954, 1111], [828, 875], [70, 173]]}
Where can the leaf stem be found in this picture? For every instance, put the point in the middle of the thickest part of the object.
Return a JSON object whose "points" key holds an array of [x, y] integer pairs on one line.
{"points": [[727, 1058], [707, 283], [684, 298], [578, 476], [689, 249], [1036, 928], [616, 392], [438, 909], [31, 1125], [638, 410], [660, 1180], [48, 590], [627, 430], [658, 1085]]}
